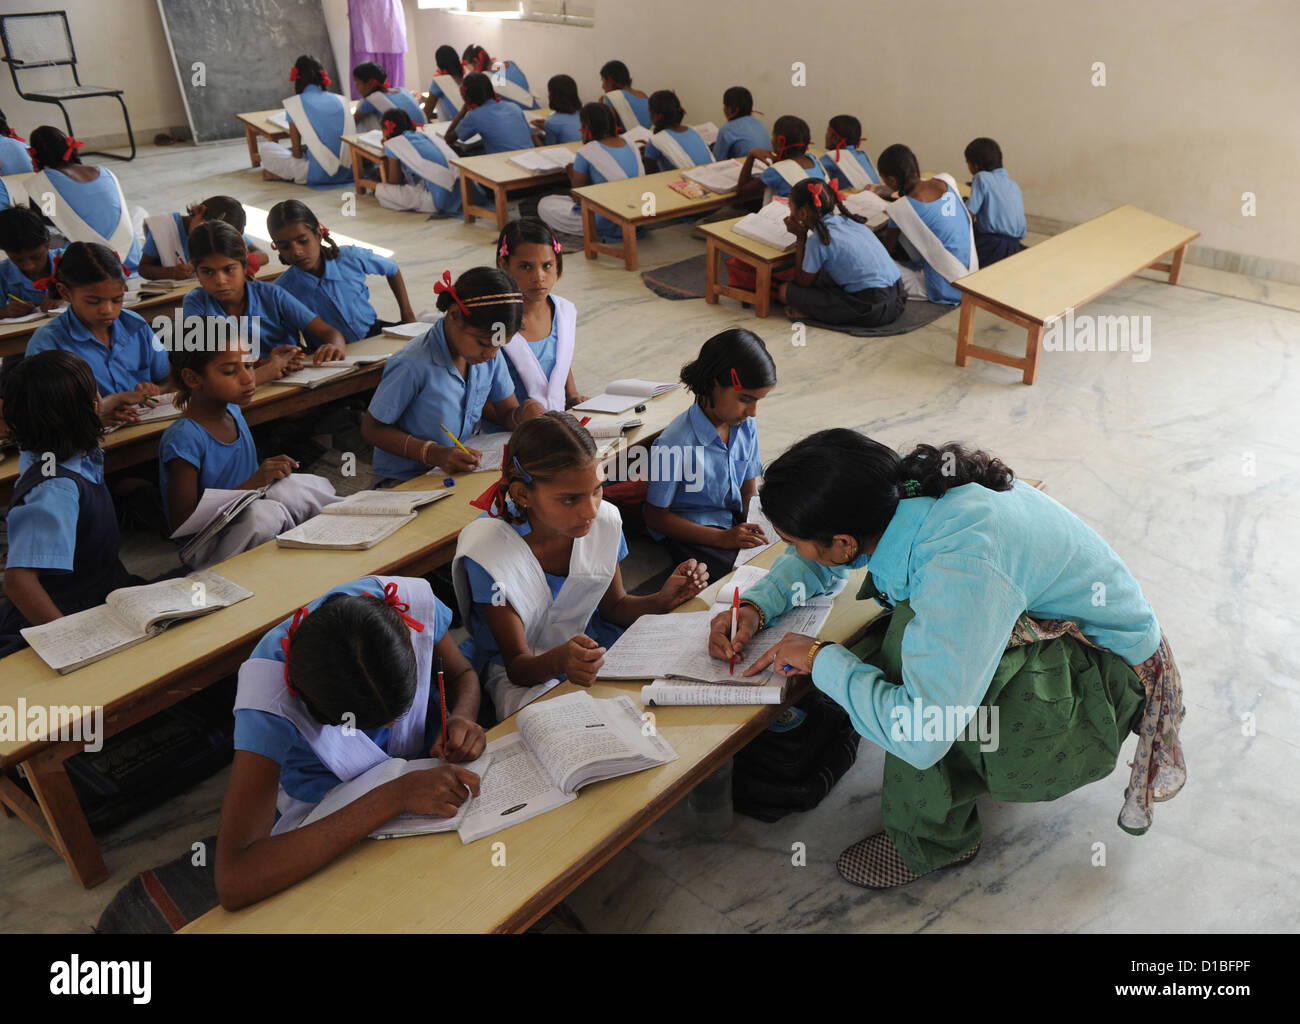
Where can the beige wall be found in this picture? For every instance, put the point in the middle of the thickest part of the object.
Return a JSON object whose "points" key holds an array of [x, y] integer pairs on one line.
{"points": [[1199, 104]]}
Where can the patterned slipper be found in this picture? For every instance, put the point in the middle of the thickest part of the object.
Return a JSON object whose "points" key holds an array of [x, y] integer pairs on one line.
{"points": [[873, 863]]}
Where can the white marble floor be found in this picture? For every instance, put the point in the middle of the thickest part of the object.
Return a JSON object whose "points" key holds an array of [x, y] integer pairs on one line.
{"points": [[1185, 463]]}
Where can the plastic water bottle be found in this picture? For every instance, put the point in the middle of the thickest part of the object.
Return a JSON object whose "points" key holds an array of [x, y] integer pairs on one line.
{"points": [[709, 805]]}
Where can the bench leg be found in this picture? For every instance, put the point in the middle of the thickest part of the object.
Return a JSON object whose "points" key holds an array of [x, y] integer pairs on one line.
{"points": [[629, 246], [1033, 347], [58, 800], [711, 272], [503, 207], [1176, 264], [762, 289], [250, 136], [588, 232], [358, 173], [965, 330]]}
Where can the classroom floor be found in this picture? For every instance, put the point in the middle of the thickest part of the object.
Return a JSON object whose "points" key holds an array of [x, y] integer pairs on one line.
{"points": [[1184, 463]]}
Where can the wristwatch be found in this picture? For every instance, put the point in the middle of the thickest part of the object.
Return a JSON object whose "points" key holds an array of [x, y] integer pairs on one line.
{"points": [[817, 645]]}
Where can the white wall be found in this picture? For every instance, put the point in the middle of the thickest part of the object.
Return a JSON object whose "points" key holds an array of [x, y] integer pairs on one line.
{"points": [[1199, 104]]}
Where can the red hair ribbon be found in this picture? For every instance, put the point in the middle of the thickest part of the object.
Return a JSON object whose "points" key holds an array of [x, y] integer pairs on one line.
{"points": [[555, 244], [840, 144], [254, 262], [839, 196], [401, 607], [287, 639], [780, 145], [493, 499], [445, 285], [293, 73], [504, 251], [324, 231], [815, 190], [325, 77], [14, 135], [385, 85], [46, 283], [73, 146], [390, 129], [735, 380]]}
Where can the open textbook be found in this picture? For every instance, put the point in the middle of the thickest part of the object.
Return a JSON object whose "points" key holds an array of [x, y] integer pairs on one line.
{"points": [[547, 160], [767, 226], [674, 692], [217, 508], [708, 131], [414, 329], [359, 521], [129, 616], [869, 205], [622, 395], [722, 176], [310, 376]]}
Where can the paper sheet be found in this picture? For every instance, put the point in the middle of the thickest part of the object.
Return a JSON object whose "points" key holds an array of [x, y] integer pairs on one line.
{"points": [[212, 503], [383, 503], [310, 376], [492, 447], [668, 693], [755, 515], [336, 531]]}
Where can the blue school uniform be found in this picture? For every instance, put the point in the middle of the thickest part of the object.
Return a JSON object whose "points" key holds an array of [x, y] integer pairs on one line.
{"points": [[485, 589], [449, 102], [627, 159], [997, 204], [544, 350], [561, 128], [422, 390], [281, 317], [738, 136], [403, 99], [302, 775], [340, 296], [515, 74], [96, 202], [696, 148], [721, 470], [855, 259], [132, 358], [325, 111], [954, 233], [445, 200], [14, 158], [220, 464], [502, 125], [5, 201], [772, 178], [640, 107], [151, 244], [14, 282], [836, 175]]}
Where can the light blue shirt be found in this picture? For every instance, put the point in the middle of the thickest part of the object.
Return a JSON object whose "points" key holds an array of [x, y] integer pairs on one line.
{"points": [[640, 107], [422, 390], [996, 203], [855, 258], [738, 136], [448, 102], [716, 471], [836, 175], [772, 178], [325, 112], [43, 527], [954, 232], [302, 774], [403, 99], [132, 357], [220, 464], [970, 563], [561, 128], [14, 158], [151, 244], [626, 157], [544, 350], [696, 148], [445, 200], [15, 282], [515, 74], [97, 202], [340, 296], [281, 317], [502, 125]]}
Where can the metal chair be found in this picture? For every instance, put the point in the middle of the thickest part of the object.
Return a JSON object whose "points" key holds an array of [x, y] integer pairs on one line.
{"points": [[43, 41]]}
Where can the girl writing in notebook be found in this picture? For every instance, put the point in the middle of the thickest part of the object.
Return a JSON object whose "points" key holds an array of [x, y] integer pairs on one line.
{"points": [[501, 124], [63, 533], [88, 204], [631, 106], [346, 683], [166, 252], [318, 120], [507, 77], [378, 97], [421, 175], [537, 575], [604, 157], [226, 290], [564, 125], [210, 446], [843, 275], [443, 102], [328, 279], [992, 586], [437, 389], [674, 145], [540, 354], [26, 242], [700, 514], [929, 232], [846, 164], [995, 202]]}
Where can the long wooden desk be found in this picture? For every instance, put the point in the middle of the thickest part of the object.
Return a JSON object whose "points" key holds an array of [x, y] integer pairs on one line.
{"points": [[437, 884], [141, 681], [495, 172], [1063, 273]]}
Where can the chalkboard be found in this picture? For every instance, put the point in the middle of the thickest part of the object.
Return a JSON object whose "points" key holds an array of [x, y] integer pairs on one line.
{"points": [[246, 48]]}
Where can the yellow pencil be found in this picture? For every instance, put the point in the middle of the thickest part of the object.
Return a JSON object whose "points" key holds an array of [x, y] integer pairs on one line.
{"points": [[454, 439]]}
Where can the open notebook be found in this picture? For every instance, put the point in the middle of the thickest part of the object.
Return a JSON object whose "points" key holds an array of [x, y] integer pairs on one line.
{"points": [[542, 161], [869, 205], [767, 226], [129, 616], [722, 176], [359, 521], [622, 395]]}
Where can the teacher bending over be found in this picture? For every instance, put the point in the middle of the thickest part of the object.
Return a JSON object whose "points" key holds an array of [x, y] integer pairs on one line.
{"points": [[1019, 656]]}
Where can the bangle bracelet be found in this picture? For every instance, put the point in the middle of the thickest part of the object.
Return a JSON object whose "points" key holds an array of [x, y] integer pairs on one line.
{"points": [[815, 649], [424, 452], [762, 619]]}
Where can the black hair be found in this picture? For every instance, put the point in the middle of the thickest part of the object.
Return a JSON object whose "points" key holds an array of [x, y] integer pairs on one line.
{"points": [[739, 98], [352, 662], [291, 211], [842, 482], [526, 231], [4, 126], [370, 72], [49, 144], [218, 340], [478, 89], [492, 298], [446, 61], [598, 119], [668, 107], [545, 446], [848, 128], [400, 121], [803, 196], [22, 229], [984, 154], [477, 56], [216, 238], [736, 349], [616, 71], [899, 162], [84, 263], [225, 208], [49, 404], [794, 133], [310, 72], [562, 94]]}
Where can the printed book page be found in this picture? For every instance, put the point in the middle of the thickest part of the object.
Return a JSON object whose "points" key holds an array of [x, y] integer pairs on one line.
{"points": [[383, 503], [515, 788], [355, 532], [670, 692]]}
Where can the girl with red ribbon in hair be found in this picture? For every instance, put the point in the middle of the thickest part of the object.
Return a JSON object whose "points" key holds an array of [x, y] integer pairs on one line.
{"points": [[379, 97], [318, 120], [421, 174], [848, 167]]}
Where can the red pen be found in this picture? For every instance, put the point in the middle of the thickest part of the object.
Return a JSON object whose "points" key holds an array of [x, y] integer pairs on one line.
{"points": [[442, 705], [735, 617]]}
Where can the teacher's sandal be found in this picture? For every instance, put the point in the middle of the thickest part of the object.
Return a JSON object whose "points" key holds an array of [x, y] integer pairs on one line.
{"points": [[874, 863]]}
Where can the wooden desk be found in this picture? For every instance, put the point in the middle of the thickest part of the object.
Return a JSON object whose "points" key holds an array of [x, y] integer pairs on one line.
{"points": [[141, 681], [361, 151], [495, 172], [258, 123], [1063, 273], [720, 241], [437, 884]]}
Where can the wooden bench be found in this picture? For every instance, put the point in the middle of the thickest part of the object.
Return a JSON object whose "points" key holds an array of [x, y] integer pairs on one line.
{"points": [[361, 150], [1067, 271], [141, 681], [495, 172]]}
